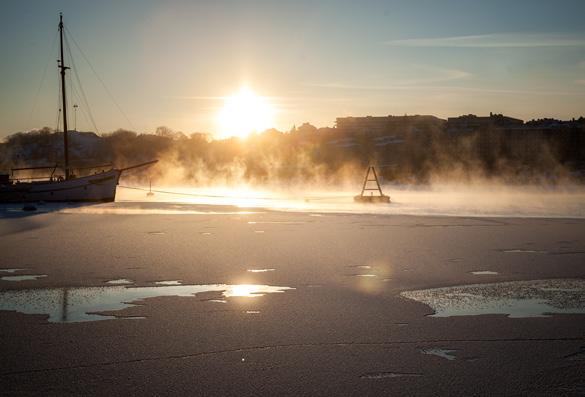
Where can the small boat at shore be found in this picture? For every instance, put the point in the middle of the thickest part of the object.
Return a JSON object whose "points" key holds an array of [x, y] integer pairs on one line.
{"points": [[64, 186]]}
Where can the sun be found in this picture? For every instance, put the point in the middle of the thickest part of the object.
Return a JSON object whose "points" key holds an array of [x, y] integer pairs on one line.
{"points": [[244, 113]]}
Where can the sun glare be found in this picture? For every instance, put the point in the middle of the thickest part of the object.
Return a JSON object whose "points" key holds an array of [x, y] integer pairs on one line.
{"points": [[244, 113]]}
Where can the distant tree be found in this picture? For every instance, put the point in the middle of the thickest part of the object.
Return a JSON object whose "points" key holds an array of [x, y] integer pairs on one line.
{"points": [[307, 129]]}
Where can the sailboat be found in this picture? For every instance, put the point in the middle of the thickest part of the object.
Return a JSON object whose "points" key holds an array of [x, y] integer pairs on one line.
{"points": [[99, 187]]}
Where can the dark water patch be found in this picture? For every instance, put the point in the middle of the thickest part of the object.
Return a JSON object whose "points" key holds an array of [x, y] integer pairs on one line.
{"points": [[86, 304], [516, 299]]}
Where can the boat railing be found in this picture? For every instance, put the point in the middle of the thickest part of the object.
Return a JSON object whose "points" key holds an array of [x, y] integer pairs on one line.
{"points": [[53, 176]]}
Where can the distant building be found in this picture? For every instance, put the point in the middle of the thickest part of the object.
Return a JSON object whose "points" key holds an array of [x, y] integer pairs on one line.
{"points": [[472, 123], [385, 124]]}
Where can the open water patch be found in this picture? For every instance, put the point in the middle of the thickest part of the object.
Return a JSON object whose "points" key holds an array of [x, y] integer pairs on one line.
{"points": [[66, 305], [516, 299]]}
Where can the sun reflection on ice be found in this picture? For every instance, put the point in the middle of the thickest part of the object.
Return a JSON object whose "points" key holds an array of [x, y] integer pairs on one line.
{"points": [[251, 290]]}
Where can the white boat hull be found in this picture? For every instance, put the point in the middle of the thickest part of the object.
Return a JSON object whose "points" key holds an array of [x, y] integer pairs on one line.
{"points": [[94, 188]]}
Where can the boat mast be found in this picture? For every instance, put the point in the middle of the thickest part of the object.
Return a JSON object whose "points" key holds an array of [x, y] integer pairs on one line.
{"points": [[64, 105]]}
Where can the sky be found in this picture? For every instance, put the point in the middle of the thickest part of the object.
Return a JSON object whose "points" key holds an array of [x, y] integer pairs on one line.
{"points": [[173, 63]]}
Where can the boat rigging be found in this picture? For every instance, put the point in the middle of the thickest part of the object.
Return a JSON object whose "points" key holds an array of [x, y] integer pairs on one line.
{"points": [[99, 187]]}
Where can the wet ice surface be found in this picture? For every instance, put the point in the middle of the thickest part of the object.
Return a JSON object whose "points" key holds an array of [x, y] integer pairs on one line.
{"points": [[85, 304], [537, 298], [439, 352], [483, 272], [168, 282], [24, 277], [120, 281]]}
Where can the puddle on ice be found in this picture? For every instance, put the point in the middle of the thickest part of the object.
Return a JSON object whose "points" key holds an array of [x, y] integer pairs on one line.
{"points": [[440, 352], [84, 304], [120, 281], [12, 270], [25, 277], [260, 270], [383, 375], [484, 272], [536, 298]]}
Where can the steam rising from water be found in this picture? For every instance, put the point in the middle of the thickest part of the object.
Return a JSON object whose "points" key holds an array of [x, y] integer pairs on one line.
{"points": [[445, 200]]}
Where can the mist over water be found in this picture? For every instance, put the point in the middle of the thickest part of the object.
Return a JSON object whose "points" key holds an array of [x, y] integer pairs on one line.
{"points": [[483, 200]]}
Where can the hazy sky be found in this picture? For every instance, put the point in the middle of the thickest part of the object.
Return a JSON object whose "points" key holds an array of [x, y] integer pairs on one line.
{"points": [[172, 62]]}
